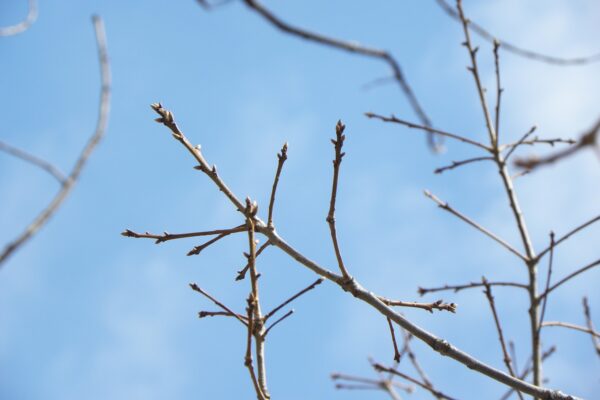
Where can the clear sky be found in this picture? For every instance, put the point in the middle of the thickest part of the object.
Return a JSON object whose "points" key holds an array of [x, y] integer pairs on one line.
{"points": [[88, 314]]}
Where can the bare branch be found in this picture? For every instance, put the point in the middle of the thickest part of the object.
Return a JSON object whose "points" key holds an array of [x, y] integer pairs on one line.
{"points": [[528, 370], [287, 314], [569, 277], [204, 314], [456, 164], [248, 362], [445, 206], [471, 285], [281, 157], [394, 343], [590, 325], [196, 250], [32, 14], [507, 359], [569, 234], [228, 310], [89, 148], [548, 277], [499, 88], [242, 273], [532, 55], [38, 162], [436, 305], [427, 128], [513, 146], [294, 297], [172, 236], [567, 325], [338, 143]]}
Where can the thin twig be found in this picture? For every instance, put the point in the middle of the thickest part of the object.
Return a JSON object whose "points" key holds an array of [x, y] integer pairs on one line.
{"points": [[471, 285], [532, 55], [172, 236], [507, 360], [294, 297], [569, 277], [197, 249], [588, 321], [281, 157], [569, 234], [90, 146], [228, 310], [436, 305], [287, 314], [242, 273], [38, 162], [32, 14], [456, 164], [445, 206], [204, 314], [568, 325], [413, 360], [429, 129], [513, 146], [352, 47], [548, 277], [499, 88], [394, 343]]}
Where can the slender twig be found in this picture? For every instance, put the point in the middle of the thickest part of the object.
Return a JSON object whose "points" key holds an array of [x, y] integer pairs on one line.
{"points": [[527, 370], [513, 146], [445, 206], [394, 343], [281, 157], [338, 144], [242, 273], [569, 277], [569, 234], [294, 297], [427, 128], [89, 148], [352, 286], [507, 360], [204, 314], [287, 314], [228, 310], [351, 47], [197, 249], [471, 285], [172, 236], [38, 162], [32, 14], [519, 51], [456, 164], [513, 354], [588, 139], [248, 362], [590, 326], [433, 391], [548, 277], [572, 326], [436, 305], [499, 88]]}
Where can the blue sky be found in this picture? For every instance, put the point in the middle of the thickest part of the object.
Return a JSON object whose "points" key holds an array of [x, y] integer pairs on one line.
{"points": [[86, 313]]}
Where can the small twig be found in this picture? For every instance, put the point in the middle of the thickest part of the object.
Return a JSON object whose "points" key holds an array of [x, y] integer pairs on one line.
{"points": [[32, 14], [204, 314], [338, 143], [242, 273], [456, 164], [513, 354], [513, 146], [569, 234], [471, 285], [588, 321], [588, 139], [38, 162], [426, 128], [568, 325], [568, 277], [281, 157], [436, 305], [507, 359], [287, 314], [377, 82], [548, 277], [351, 47], [209, 5], [294, 297], [499, 88], [228, 310], [394, 343], [172, 236], [445, 206], [532, 55], [435, 392], [103, 111], [196, 250]]}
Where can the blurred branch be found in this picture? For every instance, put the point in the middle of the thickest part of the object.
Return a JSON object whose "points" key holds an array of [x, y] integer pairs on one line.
{"points": [[588, 320], [30, 18], [38, 162], [471, 285], [89, 148], [532, 55]]}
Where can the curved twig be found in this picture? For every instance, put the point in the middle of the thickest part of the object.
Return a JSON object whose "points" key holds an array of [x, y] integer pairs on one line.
{"points": [[22, 26]]}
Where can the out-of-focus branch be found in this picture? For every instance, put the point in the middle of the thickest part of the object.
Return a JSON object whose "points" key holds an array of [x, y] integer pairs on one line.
{"points": [[38, 162], [32, 14], [588, 321], [456, 164], [532, 55], [471, 285], [568, 325], [437, 393], [89, 148]]}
